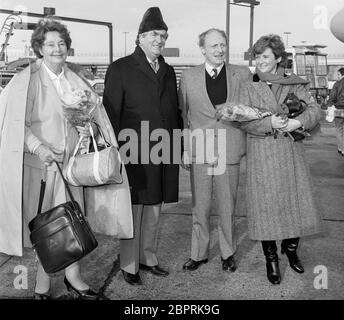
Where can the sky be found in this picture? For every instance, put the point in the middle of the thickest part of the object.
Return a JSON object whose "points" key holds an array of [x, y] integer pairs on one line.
{"points": [[306, 20]]}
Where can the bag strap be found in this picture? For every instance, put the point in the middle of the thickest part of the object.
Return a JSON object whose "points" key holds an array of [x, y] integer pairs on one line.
{"points": [[67, 186], [42, 190]]}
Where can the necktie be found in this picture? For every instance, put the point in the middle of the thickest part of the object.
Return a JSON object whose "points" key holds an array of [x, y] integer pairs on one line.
{"points": [[155, 66], [215, 73]]}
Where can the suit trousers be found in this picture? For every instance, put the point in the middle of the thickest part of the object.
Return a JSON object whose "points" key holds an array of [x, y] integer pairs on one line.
{"points": [[223, 190], [142, 248], [339, 124]]}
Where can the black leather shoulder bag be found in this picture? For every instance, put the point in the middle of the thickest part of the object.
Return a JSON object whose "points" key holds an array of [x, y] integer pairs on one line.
{"points": [[61, 235]]}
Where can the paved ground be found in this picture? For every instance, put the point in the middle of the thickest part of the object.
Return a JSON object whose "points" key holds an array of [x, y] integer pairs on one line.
{"points": [[322, 255]]}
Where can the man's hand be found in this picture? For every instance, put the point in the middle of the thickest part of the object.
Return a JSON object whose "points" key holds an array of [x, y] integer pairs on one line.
{"points": [[47, 155]]}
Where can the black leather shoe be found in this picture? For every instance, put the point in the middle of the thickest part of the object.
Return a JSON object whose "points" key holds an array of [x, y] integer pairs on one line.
{"points": [[229, 264], [87, 294], [192, 265], [289, 247], [156, 270], [133, 279]]}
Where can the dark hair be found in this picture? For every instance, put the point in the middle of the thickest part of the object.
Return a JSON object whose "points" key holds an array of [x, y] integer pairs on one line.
{"points": [[47, 25], [201, 37], [341, 71], [275, 43]]}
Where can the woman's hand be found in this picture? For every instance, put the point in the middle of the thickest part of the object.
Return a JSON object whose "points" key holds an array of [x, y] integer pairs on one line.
{"points": [[185, 164], [292, 125], [85, 131], [278, 122], [47, 155]]}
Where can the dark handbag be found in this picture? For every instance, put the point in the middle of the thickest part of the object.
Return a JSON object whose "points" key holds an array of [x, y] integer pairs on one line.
{"points": [[295, 107], [61, 235]]}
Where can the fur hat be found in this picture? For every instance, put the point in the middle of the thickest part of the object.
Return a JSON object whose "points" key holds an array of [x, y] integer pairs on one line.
{"points": [[152, 20]]}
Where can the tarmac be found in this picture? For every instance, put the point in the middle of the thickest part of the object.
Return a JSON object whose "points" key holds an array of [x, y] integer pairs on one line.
{"points": [[322, 254]]}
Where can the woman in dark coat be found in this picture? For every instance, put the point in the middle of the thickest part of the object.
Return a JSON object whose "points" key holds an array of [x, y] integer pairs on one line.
{"points": [[279, 187]]}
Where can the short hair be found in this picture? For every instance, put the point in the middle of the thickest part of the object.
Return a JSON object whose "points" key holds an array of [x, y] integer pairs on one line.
{"points": [[137, 41], [341, 71], [275, 43], [47, 25], [201, 37]]}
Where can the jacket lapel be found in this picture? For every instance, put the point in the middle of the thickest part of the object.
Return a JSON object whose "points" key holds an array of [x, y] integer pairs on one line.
{"points": [[266, 94], [284, 93], [203, 89], [232, 83], [143, 64], [49, 90]]}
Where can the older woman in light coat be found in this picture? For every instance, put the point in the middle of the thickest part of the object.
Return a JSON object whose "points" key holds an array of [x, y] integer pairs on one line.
{"points": [[280, 200], [33, 134]]}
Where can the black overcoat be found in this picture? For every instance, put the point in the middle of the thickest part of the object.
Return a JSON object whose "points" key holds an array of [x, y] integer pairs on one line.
{"points": [[135, 93]]}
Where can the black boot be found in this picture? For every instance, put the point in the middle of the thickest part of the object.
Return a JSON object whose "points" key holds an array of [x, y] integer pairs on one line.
{"points": [[272, 268], [289, 247]]}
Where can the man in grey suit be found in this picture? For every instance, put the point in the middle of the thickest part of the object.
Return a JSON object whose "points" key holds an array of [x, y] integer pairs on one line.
{"points": [[203, 91]]}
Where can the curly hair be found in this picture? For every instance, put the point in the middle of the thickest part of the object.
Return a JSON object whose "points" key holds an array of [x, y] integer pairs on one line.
{"points": [[341, 71], [47, 25], [275, 43]]}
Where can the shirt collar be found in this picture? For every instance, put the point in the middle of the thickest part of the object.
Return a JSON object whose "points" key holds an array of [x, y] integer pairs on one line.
{"points": [[150, 61], [51, 74], [210, 68]]}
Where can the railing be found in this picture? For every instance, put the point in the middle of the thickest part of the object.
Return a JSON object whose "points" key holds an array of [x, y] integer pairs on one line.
{"points": [[99, 71]]}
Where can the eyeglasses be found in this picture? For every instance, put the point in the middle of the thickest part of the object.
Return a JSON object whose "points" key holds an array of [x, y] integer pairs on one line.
{"points": [[51, 45]]}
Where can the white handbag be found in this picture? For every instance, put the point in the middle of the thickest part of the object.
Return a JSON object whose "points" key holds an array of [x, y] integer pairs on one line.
{"points": [[103, 166]]}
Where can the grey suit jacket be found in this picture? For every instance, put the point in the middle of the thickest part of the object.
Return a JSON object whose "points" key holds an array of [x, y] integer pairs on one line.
{"points": [[199, 114]]}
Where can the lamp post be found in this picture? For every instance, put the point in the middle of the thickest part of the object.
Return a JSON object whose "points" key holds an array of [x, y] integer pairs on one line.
{"points": [[125, 42], [252, 4], [287, 33]]}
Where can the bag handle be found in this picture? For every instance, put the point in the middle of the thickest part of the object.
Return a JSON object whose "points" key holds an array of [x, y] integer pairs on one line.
{"points": [[42, 191]]}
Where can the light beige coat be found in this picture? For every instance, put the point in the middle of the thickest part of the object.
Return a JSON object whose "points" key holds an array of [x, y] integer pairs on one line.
{"points": [[108, 207]]}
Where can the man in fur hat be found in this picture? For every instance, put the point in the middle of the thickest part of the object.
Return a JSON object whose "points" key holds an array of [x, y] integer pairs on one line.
{"points": [[141, 95]]}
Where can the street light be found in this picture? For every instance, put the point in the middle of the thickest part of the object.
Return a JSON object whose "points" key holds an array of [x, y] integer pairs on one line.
{"points": [[252, 4], [125, 42], [287, 33]]}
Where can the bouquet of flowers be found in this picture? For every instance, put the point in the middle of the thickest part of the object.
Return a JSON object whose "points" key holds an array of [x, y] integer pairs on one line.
{"points": [[78, 109], [240, 112], [78, 106]]}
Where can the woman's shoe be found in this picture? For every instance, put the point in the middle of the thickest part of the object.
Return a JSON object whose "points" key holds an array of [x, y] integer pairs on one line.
{"points": [[42, 296], [87, 294], [289, 247], [272, 267]]}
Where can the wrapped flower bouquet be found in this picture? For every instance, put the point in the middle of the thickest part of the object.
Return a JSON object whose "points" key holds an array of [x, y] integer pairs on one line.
{"points": [[240, 112], [78, 108]]}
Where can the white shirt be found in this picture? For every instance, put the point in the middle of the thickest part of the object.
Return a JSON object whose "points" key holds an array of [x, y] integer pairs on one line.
{"points": [[60, 81], [210, 68], [156, 61]]}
